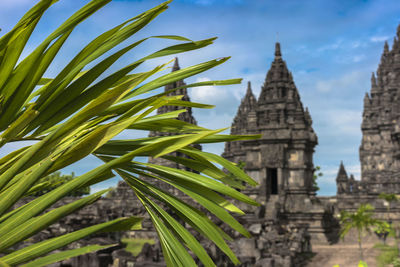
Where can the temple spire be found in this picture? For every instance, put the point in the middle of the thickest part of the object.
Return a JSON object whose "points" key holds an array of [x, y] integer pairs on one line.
{"points": [[395, 44], [367, 101], [278, 72], [248, 102], [307, 116], [277, 50], [186, 116], [386, 48], [249, 91], [398, 31], [176, 65], [247, 105], [373, 79], [374, 86], [342, 174]]}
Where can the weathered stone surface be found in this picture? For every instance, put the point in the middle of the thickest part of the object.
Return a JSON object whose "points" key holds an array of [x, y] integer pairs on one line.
{"points": [[255, 228]]}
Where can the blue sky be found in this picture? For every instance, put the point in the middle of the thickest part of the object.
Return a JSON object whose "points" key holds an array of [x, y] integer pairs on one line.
{"points": [[331, 47]]}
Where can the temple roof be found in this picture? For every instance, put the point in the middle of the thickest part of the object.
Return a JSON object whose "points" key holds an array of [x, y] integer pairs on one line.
{"points": [[247, 104], [176, 65], [279, 101], [385, 88], [249, 101], [278, 73], [342, 174]]}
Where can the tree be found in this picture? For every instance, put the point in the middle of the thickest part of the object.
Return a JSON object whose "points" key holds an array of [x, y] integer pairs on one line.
{"points": [[388, 198], [362, 220], [317, 173], [391, 198], [78, 113], [57, 179]]}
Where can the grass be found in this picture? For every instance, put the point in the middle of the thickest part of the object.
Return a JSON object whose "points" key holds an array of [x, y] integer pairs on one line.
{"points": [[135, 245], [387, 254]]}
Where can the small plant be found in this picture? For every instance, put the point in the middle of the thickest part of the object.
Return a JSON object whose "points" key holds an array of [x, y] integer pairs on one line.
{"points": [[383, 230], [388, 254], [317, 173], [391, 198], [396, 262], [362, 220]]}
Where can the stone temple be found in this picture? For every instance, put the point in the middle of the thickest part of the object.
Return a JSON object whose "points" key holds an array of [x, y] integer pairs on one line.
{"points": [[291, 217], [281, 161], [380, 145]]}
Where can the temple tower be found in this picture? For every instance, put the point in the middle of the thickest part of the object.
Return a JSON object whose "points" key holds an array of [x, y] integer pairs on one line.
{"points": [[379, 150], [281, 161], [243, 123], [342, 180], [288, 141], [185, 116]]}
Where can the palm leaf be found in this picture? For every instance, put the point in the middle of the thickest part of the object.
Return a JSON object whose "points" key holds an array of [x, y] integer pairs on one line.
{"points": [[80, 112]]}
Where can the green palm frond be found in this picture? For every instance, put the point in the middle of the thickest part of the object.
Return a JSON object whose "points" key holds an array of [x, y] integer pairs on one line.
{"points": [[79, 112]]}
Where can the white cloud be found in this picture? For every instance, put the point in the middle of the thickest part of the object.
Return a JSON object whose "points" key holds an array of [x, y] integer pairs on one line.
{"points": [[358, 58], [345, 122], [376, 39], [356, 44], [334, 46], [324, 86], [207, 94], [346, 81]]}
